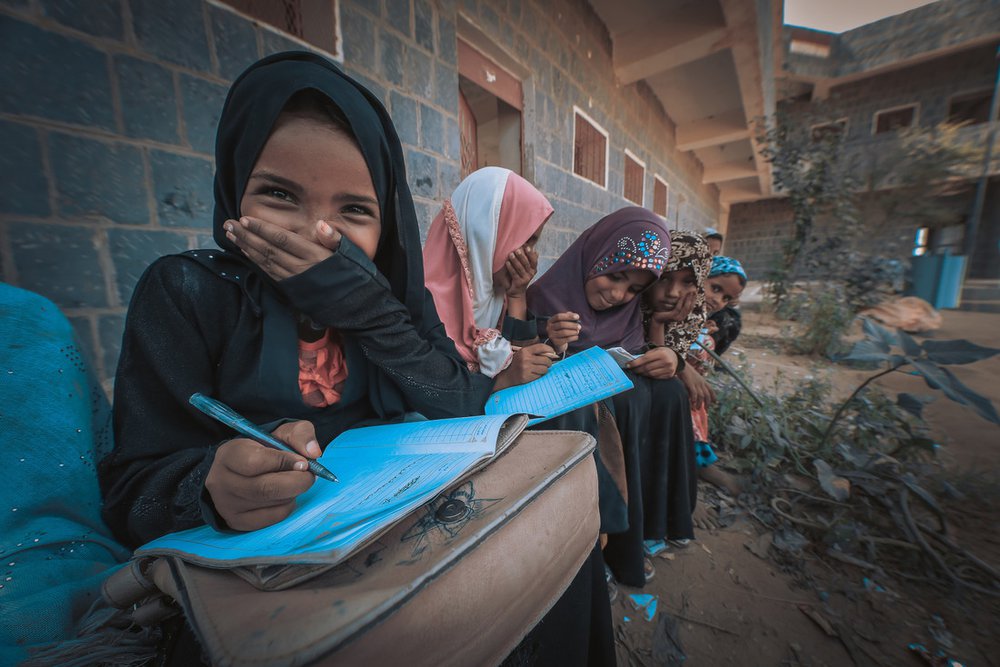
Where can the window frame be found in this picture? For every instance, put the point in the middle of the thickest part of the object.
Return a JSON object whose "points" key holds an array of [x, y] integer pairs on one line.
{"points": [[986, 92], [607, 147], [916, 117], [629, 155], [666, 196], [844, 119]]}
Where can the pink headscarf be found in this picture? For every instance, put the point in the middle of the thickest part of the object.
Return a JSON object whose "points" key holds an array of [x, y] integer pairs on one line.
{"points": [[491, 213]]}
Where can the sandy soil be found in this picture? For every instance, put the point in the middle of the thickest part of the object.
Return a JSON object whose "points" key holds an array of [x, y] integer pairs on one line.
{"points": [[734, 604]]}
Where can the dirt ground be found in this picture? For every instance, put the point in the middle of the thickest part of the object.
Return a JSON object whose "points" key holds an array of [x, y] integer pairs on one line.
{"points": [[728, 601]]}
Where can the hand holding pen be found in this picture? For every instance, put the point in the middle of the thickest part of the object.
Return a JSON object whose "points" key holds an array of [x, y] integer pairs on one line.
{"points": [[253, 485], [563, 329]]}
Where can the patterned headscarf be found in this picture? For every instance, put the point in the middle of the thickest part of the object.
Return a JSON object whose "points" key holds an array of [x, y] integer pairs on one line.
{"points": [[630, 239], [688, 250], [722, 265]]}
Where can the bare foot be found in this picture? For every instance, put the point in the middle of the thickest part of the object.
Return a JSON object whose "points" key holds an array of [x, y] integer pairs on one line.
{"points": [[703, 518], [722, 479]]}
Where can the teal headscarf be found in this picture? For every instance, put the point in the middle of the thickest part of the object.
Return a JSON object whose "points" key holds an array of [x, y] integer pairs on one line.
{"points": [[723, 265]]}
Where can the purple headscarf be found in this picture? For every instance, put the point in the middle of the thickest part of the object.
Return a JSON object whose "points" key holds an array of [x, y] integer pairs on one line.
{"points": [[630, 239]]}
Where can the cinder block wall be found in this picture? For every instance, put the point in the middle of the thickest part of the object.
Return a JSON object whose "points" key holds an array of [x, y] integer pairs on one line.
{"points": [[108, 113]]}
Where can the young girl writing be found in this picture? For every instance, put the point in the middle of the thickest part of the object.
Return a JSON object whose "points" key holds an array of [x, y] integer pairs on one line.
{"points": [[315, 311], [480, 257]]}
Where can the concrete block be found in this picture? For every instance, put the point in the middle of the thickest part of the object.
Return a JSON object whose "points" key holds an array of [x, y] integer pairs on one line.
{"points": [[59, 262], [446, 87], [447, 45], [419, 74], [132, 251], [183, 189], [110, 329], [202, 105], [235, 41], [450, 177], [173, 31], [432, 129], [392, 58], [452, 139], [423, 24], [26, 190], [397, 14], [101, 19], [422, 170], [275, 42], [149, 107], [98, 178], [205, 241], [404, 117], [375, 88], [54, 77], [358, 31]]}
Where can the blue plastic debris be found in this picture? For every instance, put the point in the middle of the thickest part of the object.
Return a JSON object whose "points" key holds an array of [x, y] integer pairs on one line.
{"points": [[935, 659], [645, 603], [626, 619]]}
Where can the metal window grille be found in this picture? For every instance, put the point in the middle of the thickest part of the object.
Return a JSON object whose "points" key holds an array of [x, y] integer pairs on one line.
{"points": [[634, 174], [888, 121], [659, 198], [973, 108], [589, 152]]}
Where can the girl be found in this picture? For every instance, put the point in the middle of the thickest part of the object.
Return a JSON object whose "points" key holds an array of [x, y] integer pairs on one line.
{"points": [[599, 277], [479, 259], [315, 310], [725, 283]]}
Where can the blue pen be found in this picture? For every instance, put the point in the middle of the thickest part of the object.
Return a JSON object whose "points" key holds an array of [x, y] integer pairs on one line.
{"points": [[226, 415]]}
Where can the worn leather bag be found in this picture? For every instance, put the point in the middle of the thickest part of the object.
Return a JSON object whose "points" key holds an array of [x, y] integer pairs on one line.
{"points": [[460, 581]]}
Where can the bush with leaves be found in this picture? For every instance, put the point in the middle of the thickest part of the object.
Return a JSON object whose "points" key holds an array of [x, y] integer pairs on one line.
{"points": [[866, 503]]}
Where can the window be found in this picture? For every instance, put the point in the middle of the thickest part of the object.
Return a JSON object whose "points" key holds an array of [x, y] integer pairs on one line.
{"points": [[660, 192], [312, 21], [590, 149], [635, 177], [891, 120], [829, 131], [489, 114], [808, 48], [971, 108], [920, 241]]}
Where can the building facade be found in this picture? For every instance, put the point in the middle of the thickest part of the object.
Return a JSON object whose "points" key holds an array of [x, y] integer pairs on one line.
{"points": [[108, 113], [937, 63]]}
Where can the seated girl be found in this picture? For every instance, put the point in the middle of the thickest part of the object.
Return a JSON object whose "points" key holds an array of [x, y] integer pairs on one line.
{"points": [[315, 312], [725, 283], [479, 258], [599, 277]]}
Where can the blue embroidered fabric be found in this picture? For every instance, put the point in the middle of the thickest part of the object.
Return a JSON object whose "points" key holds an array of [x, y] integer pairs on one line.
{"points": [[55, 424]]}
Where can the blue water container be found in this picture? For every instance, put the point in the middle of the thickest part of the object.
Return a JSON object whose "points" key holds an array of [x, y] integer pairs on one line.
{"points": [[937, 279]]}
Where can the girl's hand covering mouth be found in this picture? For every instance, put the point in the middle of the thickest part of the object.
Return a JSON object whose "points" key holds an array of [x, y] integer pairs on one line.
{"points": [[279, 252]]}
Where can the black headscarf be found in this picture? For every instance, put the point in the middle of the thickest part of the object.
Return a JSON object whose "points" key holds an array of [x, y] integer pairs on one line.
{"points": [[256, 99]]}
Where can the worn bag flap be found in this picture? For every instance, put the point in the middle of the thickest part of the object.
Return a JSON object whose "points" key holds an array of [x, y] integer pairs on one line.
{"points": [[533, 511]]}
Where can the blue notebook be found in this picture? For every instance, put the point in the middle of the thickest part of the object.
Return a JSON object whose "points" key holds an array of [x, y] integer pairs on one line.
{"points": [[387, 471]]}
